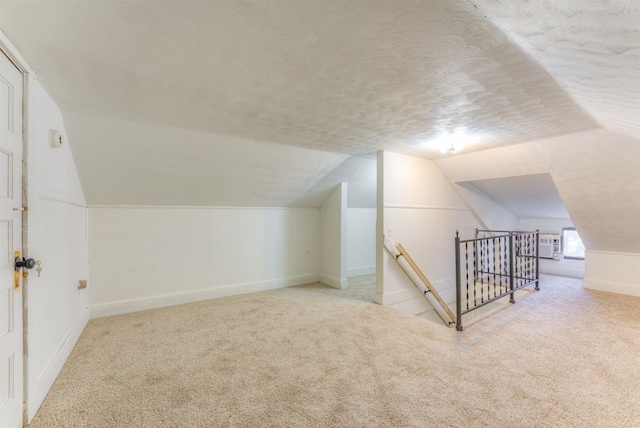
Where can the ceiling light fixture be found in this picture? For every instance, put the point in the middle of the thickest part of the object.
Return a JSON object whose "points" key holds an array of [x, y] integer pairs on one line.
{"points": [[451, 148], [452, 143]]}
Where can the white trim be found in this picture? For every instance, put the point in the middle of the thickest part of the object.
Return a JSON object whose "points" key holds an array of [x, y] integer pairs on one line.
{"points": [[14, 55], [332, 281], [399, 296], [362, 270], [143, 304], [571, 268], [189, 207], [474, 213], [50, 373], [615, 253], [612, 287], [412, 292], [378, 298], [59, 199], [425, 207], [613, 272]]}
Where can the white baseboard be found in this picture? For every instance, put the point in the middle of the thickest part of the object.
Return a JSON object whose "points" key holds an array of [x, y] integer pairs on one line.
{"points": [[410, 292], [154, 302], [378, 298], [38, 390], [612, 287], [399, 296], [333, 281], [571, 268], [362, 270]]}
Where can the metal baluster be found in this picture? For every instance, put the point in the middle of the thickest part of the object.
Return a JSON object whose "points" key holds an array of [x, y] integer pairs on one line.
{"points": [[500, 262], [475, 273], [529, 264], [525, 271], [516, 260], [482, 270], [505, 261], [486, 263], [488, 267], [466, 263], [526, 266], [493, 263], [525, 260], [537, 260], [513, 260], [521, 260], [458, 288], [511, 268]]}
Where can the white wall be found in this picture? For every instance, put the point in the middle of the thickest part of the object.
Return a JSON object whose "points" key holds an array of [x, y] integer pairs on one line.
{"points": [[601, 191], [149, 257], [361, 241], [595, 172], [598, 177], [175, 166], [506, 161], [420, 210], [487, 212], [333, 238], [613, 272], [573, 268], [57, 225]]}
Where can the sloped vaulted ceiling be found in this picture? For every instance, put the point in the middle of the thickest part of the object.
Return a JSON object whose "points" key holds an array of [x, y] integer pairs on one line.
{"points": [[591, 48], [353, 77], [596, 173], [341, 77], [263, 102]]}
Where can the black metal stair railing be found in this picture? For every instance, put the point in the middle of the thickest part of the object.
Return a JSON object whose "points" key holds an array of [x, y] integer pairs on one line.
{"points": [[494, 265]]}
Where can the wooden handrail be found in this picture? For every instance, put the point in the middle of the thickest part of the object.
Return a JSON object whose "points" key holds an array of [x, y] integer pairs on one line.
{"points": [[424, 279]]}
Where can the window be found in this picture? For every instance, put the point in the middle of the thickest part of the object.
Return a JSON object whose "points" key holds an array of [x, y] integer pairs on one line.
{"points": [[572, 245]]}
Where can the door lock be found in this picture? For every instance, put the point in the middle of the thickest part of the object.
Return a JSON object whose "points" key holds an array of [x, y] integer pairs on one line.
{"points": [[21, 262]]}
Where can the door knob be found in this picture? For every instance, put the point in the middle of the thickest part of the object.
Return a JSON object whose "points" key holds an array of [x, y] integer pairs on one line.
{"points": [[21, 262]]}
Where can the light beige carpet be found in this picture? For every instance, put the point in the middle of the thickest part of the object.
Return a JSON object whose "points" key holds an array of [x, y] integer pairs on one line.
{"points": [[311, 356]]}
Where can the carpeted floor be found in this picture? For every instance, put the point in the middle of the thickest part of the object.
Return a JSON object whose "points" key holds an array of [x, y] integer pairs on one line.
{"points": [[311, 356]]}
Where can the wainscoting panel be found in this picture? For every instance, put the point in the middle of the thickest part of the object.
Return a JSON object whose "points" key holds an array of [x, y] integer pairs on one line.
{"points": [[143, 257]]}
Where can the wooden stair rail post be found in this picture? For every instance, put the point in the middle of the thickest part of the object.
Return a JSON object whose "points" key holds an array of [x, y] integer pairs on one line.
{"points": [[426, 282]]}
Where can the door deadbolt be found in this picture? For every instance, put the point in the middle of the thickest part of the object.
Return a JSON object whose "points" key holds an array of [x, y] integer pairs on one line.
{"points": [[21, 262]]}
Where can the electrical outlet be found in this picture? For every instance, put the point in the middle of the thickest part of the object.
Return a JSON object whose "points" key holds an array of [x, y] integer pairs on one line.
{"points": [[82, 284]]}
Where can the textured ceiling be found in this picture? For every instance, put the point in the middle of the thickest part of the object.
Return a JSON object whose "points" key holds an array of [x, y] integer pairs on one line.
{"points": [[303, 84], [598, 176], [591, 48], [143, 164], [596, 173], [525, 196], [348, 76]]}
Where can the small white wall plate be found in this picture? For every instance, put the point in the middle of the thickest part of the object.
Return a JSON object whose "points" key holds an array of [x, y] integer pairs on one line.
{"points": [[55, 139]]}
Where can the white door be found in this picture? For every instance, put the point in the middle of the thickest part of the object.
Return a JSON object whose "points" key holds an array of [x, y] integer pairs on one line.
{"points": [[10, 241]]}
